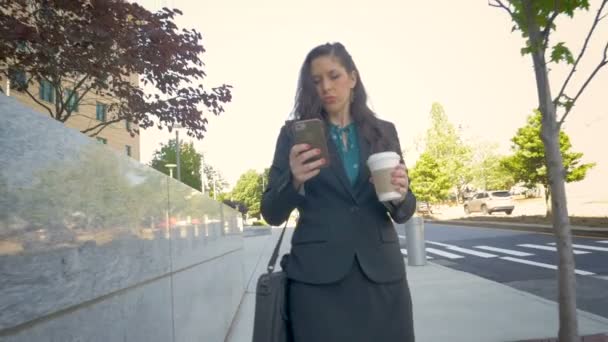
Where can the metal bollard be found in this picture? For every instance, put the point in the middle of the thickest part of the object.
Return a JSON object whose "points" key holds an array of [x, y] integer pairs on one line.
{"points": [[414, 238]]}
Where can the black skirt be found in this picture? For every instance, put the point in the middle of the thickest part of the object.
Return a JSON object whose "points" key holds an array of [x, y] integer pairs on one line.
{"points": [[355, 309]]}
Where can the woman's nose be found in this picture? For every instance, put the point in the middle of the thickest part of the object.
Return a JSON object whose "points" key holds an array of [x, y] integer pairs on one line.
{"points": [[325, 85]]}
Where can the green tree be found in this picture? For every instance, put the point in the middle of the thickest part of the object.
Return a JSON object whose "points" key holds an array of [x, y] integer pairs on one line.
{"points": [[536, 20], [445, 145], [488, 171], [81, 49], [495, 175], [430, 181], [527, 164], [190, 164], [215, 182], [248, 190]]}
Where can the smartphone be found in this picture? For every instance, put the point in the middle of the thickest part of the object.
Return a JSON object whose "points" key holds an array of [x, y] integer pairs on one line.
{"points": [[312, 132]]}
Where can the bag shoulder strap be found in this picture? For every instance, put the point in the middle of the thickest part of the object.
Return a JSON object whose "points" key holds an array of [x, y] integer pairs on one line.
{"points": [[275, 253]]}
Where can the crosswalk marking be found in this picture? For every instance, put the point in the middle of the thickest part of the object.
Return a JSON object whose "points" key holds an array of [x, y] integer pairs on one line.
{"points": [[404, 252], [504, 251], [444, 254], [547, 248], [593, 248], [604, 241], [463, 250], [439, 244], [472, 252], [540, 264]]}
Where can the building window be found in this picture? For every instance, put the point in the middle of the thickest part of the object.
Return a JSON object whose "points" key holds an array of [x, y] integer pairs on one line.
{"points": [[128, 124], [101, 111], [17, 79], [47, 91], [103, 141], [128, 150], [71, 101]]}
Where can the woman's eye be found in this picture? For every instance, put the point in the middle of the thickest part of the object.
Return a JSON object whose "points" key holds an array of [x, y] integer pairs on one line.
{"points": [[336, 76]]}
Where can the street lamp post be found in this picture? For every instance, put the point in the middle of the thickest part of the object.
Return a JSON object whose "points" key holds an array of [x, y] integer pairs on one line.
{"points": [[177, 153], [170, 167], [203, 176]]}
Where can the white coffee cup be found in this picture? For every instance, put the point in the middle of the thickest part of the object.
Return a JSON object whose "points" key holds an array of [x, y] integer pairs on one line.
{"points": [[381, 165]]}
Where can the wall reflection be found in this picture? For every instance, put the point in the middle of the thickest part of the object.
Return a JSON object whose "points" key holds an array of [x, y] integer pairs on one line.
{"points": [[96, 197], [78, 220]]}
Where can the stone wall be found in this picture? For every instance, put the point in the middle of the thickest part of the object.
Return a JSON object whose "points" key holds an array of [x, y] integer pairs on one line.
{"points": [[95, 246]]}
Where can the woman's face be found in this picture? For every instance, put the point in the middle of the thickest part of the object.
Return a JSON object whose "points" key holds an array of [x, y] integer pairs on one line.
{"points": [[333, 84]]}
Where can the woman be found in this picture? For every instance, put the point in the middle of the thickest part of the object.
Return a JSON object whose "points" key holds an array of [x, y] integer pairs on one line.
{"points": [[347, 278]]}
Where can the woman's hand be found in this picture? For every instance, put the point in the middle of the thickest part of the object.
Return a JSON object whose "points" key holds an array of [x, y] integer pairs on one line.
{"points": [[301, 170], [400, 181]]}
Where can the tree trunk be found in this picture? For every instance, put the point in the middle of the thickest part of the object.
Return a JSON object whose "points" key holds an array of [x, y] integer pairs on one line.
{"points": [[568, 327]]}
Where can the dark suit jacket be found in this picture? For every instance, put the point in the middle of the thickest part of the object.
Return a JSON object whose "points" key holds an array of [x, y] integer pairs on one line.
{"points": [[337, 222]]}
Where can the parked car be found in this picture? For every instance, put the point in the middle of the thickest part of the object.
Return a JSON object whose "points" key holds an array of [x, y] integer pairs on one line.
{"points": [[489, 202]]}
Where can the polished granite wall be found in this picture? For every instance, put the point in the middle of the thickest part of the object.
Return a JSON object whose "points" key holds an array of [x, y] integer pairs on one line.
{"points": [[95, 246]]}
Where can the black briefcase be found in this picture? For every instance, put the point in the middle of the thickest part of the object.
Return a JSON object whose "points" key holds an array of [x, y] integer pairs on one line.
{"points": [[271, 323]]}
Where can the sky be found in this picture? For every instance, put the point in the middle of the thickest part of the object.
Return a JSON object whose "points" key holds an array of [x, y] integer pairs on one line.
{"points": [[410, 54]]}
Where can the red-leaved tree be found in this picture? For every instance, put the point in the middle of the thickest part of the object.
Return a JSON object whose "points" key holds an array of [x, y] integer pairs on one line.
{"points": [[83, 49]]}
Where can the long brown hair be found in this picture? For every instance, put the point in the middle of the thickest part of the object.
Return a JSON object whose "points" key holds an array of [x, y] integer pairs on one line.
{"points": [[308, 105]]}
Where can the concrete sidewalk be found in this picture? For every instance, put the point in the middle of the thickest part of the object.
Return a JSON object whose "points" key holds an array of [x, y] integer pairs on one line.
{"points": [[449, 305]]}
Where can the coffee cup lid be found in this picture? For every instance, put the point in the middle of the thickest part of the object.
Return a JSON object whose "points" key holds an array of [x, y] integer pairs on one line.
{"points": [[382, 155]]}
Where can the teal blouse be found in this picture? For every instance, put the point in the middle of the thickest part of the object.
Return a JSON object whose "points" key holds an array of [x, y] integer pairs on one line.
{"points": [[349, 153]]}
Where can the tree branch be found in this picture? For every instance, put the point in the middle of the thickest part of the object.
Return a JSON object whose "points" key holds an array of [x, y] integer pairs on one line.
{"points": [[80, 85], [68, 109], [103, 125], [595, 71], [499, 4], [580, 55], [547, 29], [41, 104]]}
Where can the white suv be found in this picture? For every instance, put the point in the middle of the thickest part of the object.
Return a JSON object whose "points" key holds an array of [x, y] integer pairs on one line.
{"points": [[489, 202]]}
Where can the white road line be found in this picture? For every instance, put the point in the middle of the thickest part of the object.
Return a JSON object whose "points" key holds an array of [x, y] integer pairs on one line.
{"points": [[439, 244], [463, 250], [472, 252], [604, 241], [404, 252], [540, 264], [504, 251], [444, 254], [547, 248], [593, 248]]}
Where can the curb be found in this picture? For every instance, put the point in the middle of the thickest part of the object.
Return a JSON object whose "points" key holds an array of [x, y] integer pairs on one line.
{"points": [[581, 231]]}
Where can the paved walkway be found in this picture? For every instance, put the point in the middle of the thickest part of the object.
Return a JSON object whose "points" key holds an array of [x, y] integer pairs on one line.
{"points": [[449, 305]]}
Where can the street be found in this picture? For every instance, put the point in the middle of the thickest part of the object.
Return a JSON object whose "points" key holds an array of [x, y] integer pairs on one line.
{"points": [[522, 260]]}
